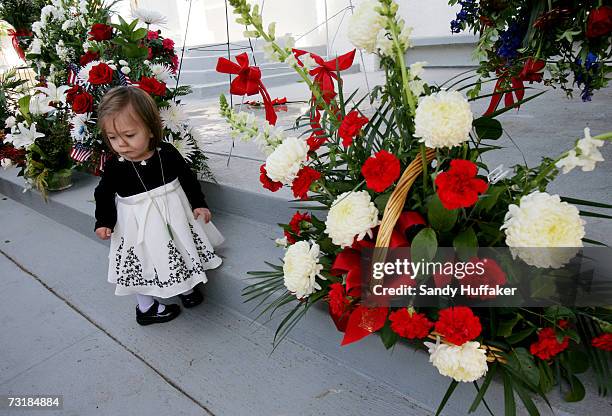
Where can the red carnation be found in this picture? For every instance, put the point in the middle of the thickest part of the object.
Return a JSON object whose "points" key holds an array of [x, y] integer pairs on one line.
{"points": [[100, 32], [351, 126], [339, 305], [152, 86], [301, 184], [458, 187], [266, 181], [175, 63], [168, 44], [295, 225], [458, 325], [380, 171], [314, 142], [547, 345], [532, 70], [82, 103], [100, 74], [407, 325], [88, 57], [599, 22], [152, 34], [150, 53], [71, 93], [603, 342]]}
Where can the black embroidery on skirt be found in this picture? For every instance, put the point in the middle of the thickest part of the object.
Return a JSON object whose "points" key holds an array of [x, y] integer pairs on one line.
{"points": [[131, 273], [118, 256]]}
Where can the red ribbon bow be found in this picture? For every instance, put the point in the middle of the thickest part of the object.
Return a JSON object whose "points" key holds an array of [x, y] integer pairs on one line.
{"points": [[15, 39], [248, 81], [349, 262], [326, 72], [518, 89]]}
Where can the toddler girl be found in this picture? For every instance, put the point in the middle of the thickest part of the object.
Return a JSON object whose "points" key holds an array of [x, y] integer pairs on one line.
{"points": [[147, 203]]}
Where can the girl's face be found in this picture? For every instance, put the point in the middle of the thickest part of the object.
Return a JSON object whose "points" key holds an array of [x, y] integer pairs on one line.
{"points": [[128, 135]]}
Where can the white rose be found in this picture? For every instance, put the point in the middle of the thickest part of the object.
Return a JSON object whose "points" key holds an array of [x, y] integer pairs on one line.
{"points": [[586, 154], [466, 363], [301, 268], [286, 160], [352, 214], [364, 25], [543, 231], [443, 119]]}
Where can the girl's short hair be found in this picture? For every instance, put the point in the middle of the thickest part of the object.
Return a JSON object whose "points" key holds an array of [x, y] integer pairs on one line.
{"points": [[119, 98]]}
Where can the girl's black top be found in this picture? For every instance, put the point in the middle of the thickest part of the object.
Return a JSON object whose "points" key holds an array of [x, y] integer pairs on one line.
{"points": [[120, 178]]}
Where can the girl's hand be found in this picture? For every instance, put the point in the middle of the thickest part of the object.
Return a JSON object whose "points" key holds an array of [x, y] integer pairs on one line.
{"points": [[104, 233], [204, 212]]}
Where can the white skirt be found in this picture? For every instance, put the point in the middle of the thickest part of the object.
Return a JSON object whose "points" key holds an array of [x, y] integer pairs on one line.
{"points": [[146, 259]]}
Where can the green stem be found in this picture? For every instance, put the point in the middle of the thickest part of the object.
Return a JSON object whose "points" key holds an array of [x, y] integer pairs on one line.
{"points": [[400, 57]]}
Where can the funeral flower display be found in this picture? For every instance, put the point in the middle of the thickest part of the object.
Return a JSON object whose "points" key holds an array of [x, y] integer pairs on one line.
{"points": [[411, 174]]}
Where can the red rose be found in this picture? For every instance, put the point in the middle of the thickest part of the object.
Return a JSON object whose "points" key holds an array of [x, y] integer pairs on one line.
{"points": [[71, 93], [83, 103], [380, 171], [599, 22], [152, 86], [458, 187], [301, 184], [152, 34], [493, 276], [88, 57], [547, 345], [532, 70], [168, 44], [100, 31], [603, 342], [100, 74], [339, 305], [407, 325], [296, 225], [266, 181], [351, 126], [458, 325]]}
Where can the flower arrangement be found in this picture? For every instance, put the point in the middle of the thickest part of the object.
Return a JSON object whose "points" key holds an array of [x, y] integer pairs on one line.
{"points": [[519, 40], [409, 175], [20, 14]]}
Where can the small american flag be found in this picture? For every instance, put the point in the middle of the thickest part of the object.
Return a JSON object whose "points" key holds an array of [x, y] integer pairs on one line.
{"points": [[104, 156], [124, 79], [80, 153], [73, 71]]}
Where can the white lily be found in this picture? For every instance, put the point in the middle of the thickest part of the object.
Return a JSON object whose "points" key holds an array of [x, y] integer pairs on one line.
{"points": [[25, 137], [55, 94]]}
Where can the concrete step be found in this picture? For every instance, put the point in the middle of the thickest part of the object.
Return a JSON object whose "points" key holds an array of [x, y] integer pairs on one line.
{"points": [[247, 220], [217, 50], [211, 76]]}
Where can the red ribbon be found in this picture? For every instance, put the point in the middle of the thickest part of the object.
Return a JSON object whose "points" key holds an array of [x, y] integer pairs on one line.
{"points": [[326, 72], [349, 262], [248, 81], [15, 39], [518, 89]]}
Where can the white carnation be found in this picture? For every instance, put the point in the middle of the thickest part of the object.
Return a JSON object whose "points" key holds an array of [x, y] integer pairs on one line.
{"points": [[353, 214], [286, 160], [364, 25], [466, 363], [586, 154], [301, 268], [443, 119], [540, 227]]}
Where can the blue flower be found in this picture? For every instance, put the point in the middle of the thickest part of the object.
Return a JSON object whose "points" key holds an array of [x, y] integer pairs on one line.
{"points": [[468, 13]]}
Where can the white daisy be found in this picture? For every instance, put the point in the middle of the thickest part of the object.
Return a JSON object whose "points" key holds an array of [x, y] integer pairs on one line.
{"points": [[79, 130], [173, 117], [150, 17], [161, 72], [83, 74], [185, 146]]}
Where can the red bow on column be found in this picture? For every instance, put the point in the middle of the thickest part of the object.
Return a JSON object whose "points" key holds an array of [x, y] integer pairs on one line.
{"points": [[15, 39], [325, 73], [248, 81], [518, 89], [362, 320]]}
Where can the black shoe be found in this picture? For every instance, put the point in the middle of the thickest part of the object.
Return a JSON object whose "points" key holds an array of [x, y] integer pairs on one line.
{"points": [[192, 299], [153, 317]]}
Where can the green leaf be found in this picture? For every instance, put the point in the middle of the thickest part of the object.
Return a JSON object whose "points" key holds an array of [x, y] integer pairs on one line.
{"points": [[523, 364], [447, 395], [388, 336], [439, 217], [138, 34], [509, 404], [526, 399], [24, 106], [488, 128], [381, 201], [489, 199], [483, 389], [558, 312], [584, 202], [424, 245], [505, 327], [466, 243], [576, 392], [521, 335], [134, 51], [577, 361]]}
